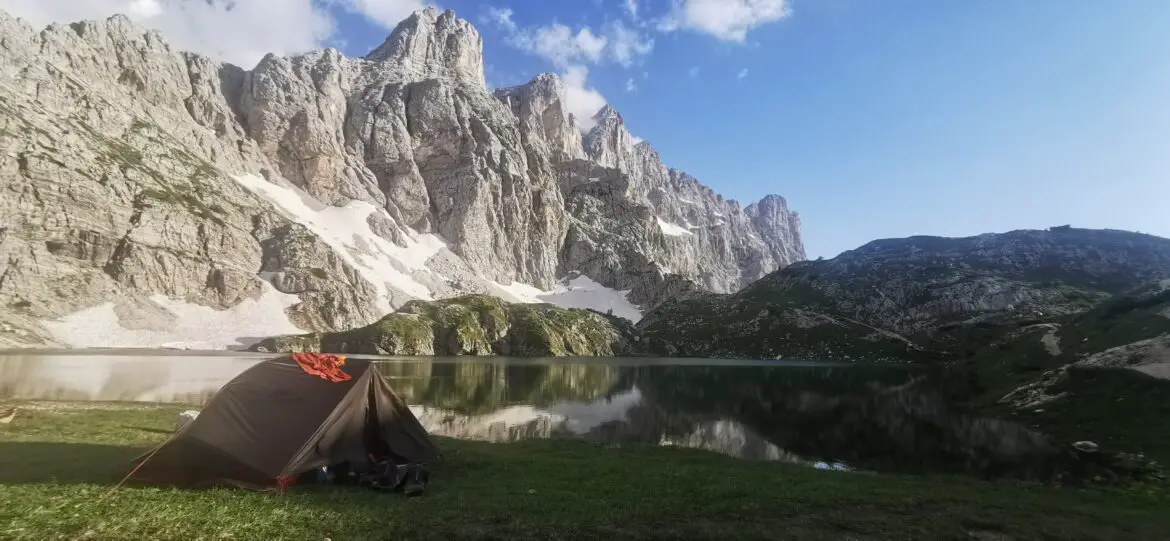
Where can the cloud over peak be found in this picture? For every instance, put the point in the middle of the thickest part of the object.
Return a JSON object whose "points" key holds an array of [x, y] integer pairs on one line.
{"points": [[563, 46], [240, 32]]}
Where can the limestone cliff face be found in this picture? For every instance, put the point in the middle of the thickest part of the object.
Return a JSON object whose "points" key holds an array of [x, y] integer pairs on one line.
{"points": [[346, 187], [707, 239]]}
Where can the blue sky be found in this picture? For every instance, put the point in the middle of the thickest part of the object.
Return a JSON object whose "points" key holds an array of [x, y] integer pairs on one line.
{"points": [[874, 118], [902, 117]]}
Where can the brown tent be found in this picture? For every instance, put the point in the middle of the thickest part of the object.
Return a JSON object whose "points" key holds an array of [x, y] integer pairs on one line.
{"points": [[279, 419]]}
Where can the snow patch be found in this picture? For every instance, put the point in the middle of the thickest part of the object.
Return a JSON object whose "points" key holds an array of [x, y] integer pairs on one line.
{"points": [[347, 231], [520, 292], [579, 292], [673, 230], [195, 326]]}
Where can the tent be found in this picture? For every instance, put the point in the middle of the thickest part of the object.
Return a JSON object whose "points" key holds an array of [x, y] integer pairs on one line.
{"points": [[282, 418]]}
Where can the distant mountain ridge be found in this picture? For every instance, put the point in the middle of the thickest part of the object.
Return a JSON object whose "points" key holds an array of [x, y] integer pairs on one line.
{"points": [[158, 197], [901, 298]]}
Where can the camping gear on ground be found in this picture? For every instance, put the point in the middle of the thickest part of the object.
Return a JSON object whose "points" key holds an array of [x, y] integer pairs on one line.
{"points": [[377, 474], [284, 418]]}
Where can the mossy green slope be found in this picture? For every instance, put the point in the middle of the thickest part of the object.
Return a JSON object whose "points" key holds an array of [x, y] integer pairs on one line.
{"points": [[1048, 374], [795, 321], [473, 325]]}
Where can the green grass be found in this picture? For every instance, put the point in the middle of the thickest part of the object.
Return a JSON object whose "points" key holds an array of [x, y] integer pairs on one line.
{"points": [[57, 467]]}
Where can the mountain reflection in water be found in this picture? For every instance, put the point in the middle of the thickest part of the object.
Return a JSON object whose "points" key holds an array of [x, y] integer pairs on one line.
{"points": [[886, 418]]}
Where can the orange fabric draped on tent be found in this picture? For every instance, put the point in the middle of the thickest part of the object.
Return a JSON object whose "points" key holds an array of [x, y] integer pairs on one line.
{"points": [[323, 365]]}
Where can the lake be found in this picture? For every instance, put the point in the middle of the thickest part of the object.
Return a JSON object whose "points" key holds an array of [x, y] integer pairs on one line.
{"points": [[872, 417]]}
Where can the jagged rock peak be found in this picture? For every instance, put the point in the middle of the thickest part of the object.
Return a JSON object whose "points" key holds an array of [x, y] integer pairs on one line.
{"points": [[608, 113], [546, 88], [116, 28], [433, 44], [770, 204], [609, 143], [539, 105], [779, 226]]}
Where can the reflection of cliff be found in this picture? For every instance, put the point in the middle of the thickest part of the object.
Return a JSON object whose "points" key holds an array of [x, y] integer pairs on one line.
{"points": [[625, 418], [16, 372], [650, 423], [885, 426], [481, 387], [189, 380]]}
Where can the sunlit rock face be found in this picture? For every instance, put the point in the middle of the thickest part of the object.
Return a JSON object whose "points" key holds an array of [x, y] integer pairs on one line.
{"points": [[319, 193]]}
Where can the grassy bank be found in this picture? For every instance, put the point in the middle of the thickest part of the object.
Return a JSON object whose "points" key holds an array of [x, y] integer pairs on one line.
{"points": [[58, 463]]}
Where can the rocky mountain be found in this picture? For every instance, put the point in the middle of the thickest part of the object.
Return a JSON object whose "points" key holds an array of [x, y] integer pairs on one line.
{"points": [[473, 325], [1065, 329], [157, 197], [913, 298]]}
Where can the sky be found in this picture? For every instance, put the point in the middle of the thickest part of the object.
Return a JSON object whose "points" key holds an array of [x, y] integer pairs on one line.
{"points": [[874, 119]]}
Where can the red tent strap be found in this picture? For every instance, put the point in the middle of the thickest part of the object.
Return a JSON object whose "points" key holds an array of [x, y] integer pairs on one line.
{"points": [[285, 481], [323, 365], [132, 472]]}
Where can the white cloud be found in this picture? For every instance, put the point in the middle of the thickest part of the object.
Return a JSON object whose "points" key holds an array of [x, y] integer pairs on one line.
{"points": [[728, 20], [385, 13], [626, 45], [631, 7], [238, 32], [693, 72], [145, 8], [630, 86], [501, 17], [559, 44], [581, 100], [563, 47], [742, 73]]}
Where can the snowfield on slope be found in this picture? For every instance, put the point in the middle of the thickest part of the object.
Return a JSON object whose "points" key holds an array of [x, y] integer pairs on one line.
{"points": [[673, 230], [194, 326], [386, 265], [346, 230], [579, 292]]}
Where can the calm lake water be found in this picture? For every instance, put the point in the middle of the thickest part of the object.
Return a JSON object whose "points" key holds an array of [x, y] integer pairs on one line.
{"points": [[875, 417]]}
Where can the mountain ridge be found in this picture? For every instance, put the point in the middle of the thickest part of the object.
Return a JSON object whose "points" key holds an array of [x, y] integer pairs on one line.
{"points": [[214, 186], [901, 299]]}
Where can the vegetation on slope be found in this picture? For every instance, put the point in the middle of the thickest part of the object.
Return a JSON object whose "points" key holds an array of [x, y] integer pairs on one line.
{"points": [[889, 299], [473, 325], [796, 321], [1079, 376]]}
